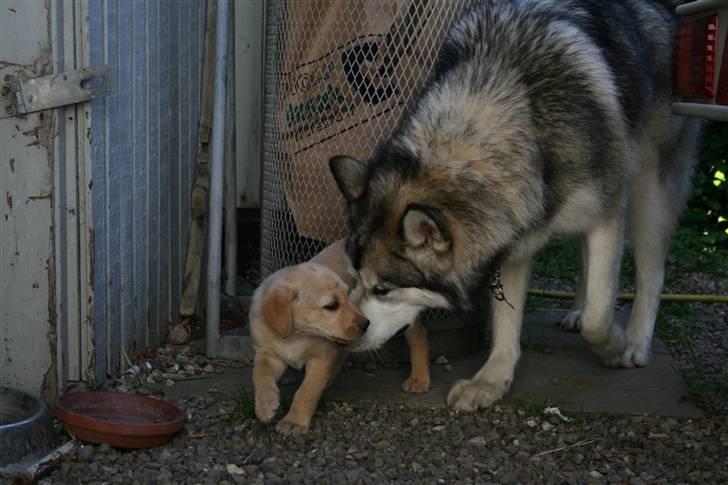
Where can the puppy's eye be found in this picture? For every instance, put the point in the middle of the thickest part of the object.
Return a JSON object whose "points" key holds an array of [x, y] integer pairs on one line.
{"points": [[380, 290], [333, 306]]}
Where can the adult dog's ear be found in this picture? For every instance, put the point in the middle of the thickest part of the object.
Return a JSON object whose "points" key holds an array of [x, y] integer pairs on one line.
{"points": [[424, 227], [350, 175], [277, 309]]}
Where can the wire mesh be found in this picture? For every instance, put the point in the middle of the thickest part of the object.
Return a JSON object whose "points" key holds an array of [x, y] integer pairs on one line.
{"points": [[339, 75]]}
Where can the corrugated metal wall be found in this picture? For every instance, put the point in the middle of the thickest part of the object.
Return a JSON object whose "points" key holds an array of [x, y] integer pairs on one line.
{"points": [[143, 140]]}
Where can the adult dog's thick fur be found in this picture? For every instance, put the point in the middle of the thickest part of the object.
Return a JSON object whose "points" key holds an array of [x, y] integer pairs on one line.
{"points": [[541, 117]]}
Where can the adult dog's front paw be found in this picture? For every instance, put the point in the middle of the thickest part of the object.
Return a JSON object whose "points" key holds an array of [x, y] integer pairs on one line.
{"points": [[417, 384], [637, 353], [290, 426], [266, 405], [571, 321], [610, 344], [472, 394]]}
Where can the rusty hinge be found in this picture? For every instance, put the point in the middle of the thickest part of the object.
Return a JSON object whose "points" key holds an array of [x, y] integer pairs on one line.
{"points": [[56, 90]]}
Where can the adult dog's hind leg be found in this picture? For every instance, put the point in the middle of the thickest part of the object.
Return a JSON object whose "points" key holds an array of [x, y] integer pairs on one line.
{"points": [[650, 237], [658, 195], [494, 379], [604, 243], [572, 320]]}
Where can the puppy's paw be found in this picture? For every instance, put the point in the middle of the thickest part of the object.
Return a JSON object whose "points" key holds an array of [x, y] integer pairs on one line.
{"points": [[266, 406], [469, 395], [417, 384], [571, 321], [290, 426]]}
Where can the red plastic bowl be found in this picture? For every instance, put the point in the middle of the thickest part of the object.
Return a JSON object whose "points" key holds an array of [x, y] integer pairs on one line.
{"points": [[121, 420]]}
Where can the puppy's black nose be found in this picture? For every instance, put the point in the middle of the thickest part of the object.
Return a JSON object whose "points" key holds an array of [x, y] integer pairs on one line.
{"points": [[364, 324]]}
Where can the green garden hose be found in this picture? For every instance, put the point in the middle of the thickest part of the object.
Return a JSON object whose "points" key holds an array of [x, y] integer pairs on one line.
{"points": [[565, 295]]}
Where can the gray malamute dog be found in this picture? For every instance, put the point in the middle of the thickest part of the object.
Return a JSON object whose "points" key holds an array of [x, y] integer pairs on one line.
{"points": [[541, 118]]}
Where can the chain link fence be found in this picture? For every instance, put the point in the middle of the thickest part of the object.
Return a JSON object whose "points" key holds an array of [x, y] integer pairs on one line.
{"points": [[339, 75]]}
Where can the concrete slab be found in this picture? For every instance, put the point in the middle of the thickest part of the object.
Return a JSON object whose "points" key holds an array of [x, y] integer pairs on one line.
{"points": [[556, 368]]}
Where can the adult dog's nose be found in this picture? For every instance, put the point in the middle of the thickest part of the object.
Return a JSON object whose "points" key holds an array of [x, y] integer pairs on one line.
{"points": [[363, 325]]}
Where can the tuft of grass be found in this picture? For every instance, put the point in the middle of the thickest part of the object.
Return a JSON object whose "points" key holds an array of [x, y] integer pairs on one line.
{"points": [[706, 390], [558, 259], [244, 407], [674, 322], [531, 407]]}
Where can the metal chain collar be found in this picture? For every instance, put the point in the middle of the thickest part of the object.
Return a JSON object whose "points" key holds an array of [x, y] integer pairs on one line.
{"points": [[496, 287]]}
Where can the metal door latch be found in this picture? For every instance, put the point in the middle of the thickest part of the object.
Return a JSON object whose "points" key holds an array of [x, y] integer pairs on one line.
{"points": [[58, 90]]}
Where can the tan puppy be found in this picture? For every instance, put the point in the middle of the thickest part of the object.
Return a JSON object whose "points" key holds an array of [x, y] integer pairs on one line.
{"points": [[334, 257], [303, 316], [300, 316]]}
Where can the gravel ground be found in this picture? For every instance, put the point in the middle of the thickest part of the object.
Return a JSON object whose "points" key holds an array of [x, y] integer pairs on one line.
{"points": [[370, 442], [392, 443]]}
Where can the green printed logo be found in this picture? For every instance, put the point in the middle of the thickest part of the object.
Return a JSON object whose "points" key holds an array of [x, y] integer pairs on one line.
{"points": [[314, 106]]}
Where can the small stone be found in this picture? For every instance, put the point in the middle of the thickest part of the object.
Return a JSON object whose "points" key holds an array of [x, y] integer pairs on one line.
{"points": [[85, 453], [595, 474], [441, 360], [531, 423], [478, 441], [547, 426], [508, 477], [438, 428], [464, 460], [169, 383], [447, 368], [234, 469], [178, 334], [209, 369], [190, 369], [156, 376], [104, 448]]}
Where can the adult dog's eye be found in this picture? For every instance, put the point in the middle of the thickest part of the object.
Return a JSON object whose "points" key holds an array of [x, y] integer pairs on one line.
{"points": [[333, 306], [380, 290]]}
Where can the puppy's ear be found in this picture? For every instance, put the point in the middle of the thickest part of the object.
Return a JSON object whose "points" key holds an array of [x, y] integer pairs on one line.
{"points": [[350, 175], [424, 227], [277, 309]]}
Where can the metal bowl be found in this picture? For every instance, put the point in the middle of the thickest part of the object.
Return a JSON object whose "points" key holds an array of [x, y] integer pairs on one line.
{"points": [[26, 428]]}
